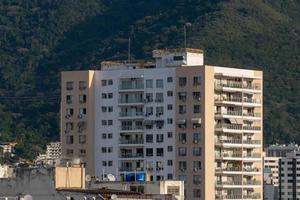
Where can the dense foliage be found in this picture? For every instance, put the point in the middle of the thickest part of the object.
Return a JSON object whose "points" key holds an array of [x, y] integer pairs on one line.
{"points": [[41, 38]]}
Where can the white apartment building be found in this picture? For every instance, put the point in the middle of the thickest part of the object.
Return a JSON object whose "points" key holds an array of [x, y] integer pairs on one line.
{"points": [[53, 151], [175, 118]]}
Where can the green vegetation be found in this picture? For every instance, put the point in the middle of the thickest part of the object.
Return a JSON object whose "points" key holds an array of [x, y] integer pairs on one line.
{"points": [[41, 38]]}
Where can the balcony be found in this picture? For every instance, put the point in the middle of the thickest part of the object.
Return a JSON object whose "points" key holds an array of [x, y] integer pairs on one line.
{"points": [[238, 87], [134, 86], [237, 128], [252, 183], [238, 142], [237, 114], [131, 114], [132, 128], [131, 155], [237, 196], [130, 169], [131, 141], [131, 101], [228, 183], [238, 101], [228, 170], [229, 156]]}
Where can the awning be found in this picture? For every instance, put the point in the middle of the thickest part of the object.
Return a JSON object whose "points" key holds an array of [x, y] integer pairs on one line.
{"points": [[181, 121], [196, 120]]}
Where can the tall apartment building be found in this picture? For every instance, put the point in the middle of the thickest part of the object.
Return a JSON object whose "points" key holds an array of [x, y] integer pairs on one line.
{"points": [[289, 173], [175, 118]]}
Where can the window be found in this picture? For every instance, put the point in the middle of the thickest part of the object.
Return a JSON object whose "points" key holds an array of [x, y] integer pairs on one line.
{"points": [[109, 82], [196, 138], [110, 95], [149, 97], [196, 151], [69, 85], [149, 152], [197, 179], [70, 152], [69, 126], [182, 165], [196, 165], [197, 193], [170, 121], [103, 82], [159, 110], [149, 111], [103, 108], [69, 139], [197, 96], [82, 98], [82, 111], [82, 152], [149, 83], [160, 138], [170, 162], [104, 122], [159, 83], [170, 93], [182, 178], [197, 80], [182, 96], [109, 149], [170, 107], [82, 139], [69, 99], [182, 109], [104, 135], [170, 148], [170, 177], [170, 79], [149, 138], [82, 85], [178, 58], [104, 164], [160, 152], [104, 95], [69, 112], [103, 150], [174, 190], [170, 134], [182, 81], [109, 122], [110, 108], [182, 138], [110, 163], [197, 108], [109, 136], [182, 151], [159, 97]]}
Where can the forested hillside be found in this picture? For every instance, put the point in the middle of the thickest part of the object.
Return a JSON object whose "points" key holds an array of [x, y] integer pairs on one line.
{"points": [[38, 39]]}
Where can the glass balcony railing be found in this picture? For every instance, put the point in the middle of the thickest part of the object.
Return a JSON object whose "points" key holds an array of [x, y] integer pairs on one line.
{"points": [[131, 86], [131, 141], [238, 85], [131, 100], [131, 155], [238, 113], [130, 128], [238, 127], [131, 114], [238, 100]]}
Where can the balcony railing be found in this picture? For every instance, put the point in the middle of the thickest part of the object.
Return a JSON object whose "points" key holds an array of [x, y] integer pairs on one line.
{"points": [[123, 141], [229, 169], [238, 196], [130, 169], [221, 183], [131, 86], [251, 141], [251, 169], [131, 128], [238, 113], [237, 141], [131, 114], [238, 127], [251, 182], [131, 155], [252, 155], [238, 100], [229, 155], [131, 100], [238, 85]]}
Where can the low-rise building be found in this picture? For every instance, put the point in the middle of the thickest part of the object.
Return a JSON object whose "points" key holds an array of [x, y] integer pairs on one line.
{"points": [[7, 147]]}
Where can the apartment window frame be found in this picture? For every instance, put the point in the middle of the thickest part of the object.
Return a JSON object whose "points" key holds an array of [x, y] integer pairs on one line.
{"points": [[82, 85], [149, 83], [182, 81], [197, 80], [69, 85], [159, 83]]}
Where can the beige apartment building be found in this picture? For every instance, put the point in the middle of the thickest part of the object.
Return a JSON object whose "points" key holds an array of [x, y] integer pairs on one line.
{"points": [[171, 119]]}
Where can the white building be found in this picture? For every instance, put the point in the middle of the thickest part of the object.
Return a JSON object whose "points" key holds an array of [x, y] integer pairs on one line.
{"points": [[53, 151], [175, 118]]}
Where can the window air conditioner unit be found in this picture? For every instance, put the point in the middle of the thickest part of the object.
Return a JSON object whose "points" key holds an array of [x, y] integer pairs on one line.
{"points": [[183, 141], [196, 141], [80, 116]]}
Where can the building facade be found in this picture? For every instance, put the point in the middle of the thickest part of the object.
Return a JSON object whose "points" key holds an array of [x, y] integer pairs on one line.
{"points": [[175, 118], [289, 173]]}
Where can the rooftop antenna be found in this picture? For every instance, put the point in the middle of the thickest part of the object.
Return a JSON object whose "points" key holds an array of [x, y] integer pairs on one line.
{"points": [[187, 24], [129, 46]]}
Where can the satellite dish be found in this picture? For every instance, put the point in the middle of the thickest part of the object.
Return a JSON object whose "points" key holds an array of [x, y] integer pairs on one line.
{"points": [[28, 197], [114, 197], [111, 177], [88, 178]]}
